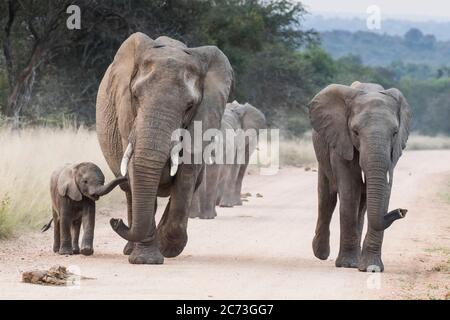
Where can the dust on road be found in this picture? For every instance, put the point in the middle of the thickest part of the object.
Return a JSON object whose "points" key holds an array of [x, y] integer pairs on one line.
{"points": [[262, 250]]}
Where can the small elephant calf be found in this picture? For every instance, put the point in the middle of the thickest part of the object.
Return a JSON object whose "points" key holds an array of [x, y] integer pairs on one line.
{"points": [[74, 188]]}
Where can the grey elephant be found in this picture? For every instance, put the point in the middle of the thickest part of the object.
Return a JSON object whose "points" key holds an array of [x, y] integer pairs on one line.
{"points": [[359, 133], [151, 89], [222, 183], [74, 188]]}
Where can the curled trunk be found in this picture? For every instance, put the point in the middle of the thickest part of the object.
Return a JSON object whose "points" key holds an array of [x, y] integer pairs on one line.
{"points": [[379, 180], [107, 188], [150, 154]]}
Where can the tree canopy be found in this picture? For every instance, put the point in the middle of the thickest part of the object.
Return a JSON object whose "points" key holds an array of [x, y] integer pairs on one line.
{"points": [[49, 74]]}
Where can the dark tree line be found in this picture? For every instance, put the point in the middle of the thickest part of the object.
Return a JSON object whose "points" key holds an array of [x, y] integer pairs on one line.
{"points": [[50, 74]]}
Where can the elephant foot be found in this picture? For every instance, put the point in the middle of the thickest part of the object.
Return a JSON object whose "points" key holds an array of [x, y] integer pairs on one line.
{"points": [[370, 262], [321, 247], [128, 248], [76, 251], [348, 258], [87, 251], [172, 243], [208, 214], [194, 214], [65, 251], [146, 253]]}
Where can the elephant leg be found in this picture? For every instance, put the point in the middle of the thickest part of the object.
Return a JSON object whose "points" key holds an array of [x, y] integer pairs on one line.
{"points": [[56, 232], [238, 187], [228, 197], [361, 213], [194, 211], [350, 240], [172, 234], [207, 192], [147, 251], [371, 253], [327, 204], [130, 245], [221, 175], [88, 221], [75, 230], [65, 235]]}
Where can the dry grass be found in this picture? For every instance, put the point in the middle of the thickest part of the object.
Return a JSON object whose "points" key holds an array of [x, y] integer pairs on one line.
{"points": [[27, 160], [300, 152], [419, 142], [297, 152]]}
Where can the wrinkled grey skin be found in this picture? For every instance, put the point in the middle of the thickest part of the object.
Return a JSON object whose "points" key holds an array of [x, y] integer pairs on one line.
{"points": [[152, 88], [222, 184], [74, 190], [357, 129]]}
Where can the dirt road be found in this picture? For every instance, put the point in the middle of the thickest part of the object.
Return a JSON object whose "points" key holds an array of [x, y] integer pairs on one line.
{"points": [[263, 249]]}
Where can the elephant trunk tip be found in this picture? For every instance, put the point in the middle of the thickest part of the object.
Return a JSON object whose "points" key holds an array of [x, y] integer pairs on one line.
{"points": [[402, 213], [390, 217], [122, 230]]}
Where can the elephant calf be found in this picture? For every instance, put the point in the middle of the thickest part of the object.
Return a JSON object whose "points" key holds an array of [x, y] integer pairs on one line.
{"points": [[74, 188]]}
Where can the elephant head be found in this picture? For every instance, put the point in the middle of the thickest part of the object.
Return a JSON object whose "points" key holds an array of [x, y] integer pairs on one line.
{"points": [[249, 116], [85, 179], [374, 122], [156, 87]]}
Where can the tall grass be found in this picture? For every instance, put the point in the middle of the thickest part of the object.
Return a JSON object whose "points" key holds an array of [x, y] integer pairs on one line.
{"points": [[27, 159], [300, 151]]}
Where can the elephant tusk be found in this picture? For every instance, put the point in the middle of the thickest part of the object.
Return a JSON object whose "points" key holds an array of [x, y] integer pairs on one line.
{"points": [[388, 177], [173, 164], [125, 159], [363, 177]]}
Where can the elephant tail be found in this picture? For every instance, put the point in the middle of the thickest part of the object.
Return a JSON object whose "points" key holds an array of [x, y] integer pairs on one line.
{"points": [[47, 226]]}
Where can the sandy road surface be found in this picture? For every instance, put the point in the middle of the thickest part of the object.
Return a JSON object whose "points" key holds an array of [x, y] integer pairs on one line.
{"points": [[263, 249]]}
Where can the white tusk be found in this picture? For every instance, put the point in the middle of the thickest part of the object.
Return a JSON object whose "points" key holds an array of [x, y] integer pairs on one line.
{"points": [[125, 159], [388, 177], [363, 177], [173, 164]]}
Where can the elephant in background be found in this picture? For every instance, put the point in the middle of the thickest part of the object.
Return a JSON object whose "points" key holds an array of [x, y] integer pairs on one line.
{"points": [[151, 89], [359, 133], [222, 183]]}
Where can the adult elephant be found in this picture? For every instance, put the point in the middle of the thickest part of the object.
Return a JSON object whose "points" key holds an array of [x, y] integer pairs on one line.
{"points": [[152, 88], [359, 134], [222, 183]]}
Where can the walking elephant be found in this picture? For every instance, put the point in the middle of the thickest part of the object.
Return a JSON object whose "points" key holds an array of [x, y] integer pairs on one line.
{"points": [[152, 88], [359, 133], [74, 188], [222, 183]]}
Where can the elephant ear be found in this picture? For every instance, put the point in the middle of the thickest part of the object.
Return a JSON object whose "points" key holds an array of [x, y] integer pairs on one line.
{"points": [[404, 118], [67, 185], [123, 70], [218, 81], [329, 111]]}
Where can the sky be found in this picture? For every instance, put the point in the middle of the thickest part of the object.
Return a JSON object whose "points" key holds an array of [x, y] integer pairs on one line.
{"points": [[415, 10]]}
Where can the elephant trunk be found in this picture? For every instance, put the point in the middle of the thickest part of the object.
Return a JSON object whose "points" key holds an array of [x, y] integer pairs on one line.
{"points": [[378, 170], [107, 188], [151, 152]]}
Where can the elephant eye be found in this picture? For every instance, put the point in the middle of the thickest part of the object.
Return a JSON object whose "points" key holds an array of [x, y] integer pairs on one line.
{"points": [[355, 132], [395, 133], [84, 181], [190, 105]]}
